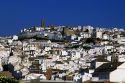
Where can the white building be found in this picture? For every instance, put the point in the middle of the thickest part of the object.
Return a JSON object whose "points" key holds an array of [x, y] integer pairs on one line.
{"points": [[64, 53], [108, 49], [75, 55], [15, 37], [73, 37], [47, 48], [121, 49], [106, 37], [98, 50], [104, 42], [118, 75], [86, 35], [99, 34], [121, 40], [121, 58]]}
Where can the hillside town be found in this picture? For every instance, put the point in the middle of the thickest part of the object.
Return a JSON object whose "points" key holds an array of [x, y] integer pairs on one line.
{"points": [[64, 53]]}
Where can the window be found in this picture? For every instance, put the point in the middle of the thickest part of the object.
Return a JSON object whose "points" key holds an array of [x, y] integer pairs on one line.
{"points": [[108, 49]]}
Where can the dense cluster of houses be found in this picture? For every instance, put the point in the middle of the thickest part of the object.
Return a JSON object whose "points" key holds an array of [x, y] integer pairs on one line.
{"points": [[65, 53]]}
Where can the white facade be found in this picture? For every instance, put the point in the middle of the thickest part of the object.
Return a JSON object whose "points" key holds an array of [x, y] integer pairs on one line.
{"points": [[47, 48], [121, 49], [86, 77], [121, 40], [96, 50], [99, 34], [86, 35], [99, 64], [104, 42], [121, 58], [108, 49], [1, 68], [75, 55], [64, 53], [118, 75], [109, 58], [91, 51], [73, 37], [106, 36], [99, 50], [15, 37]]}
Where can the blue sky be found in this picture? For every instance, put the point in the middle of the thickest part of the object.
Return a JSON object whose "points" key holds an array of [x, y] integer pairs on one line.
{"points": [[18, 14]]}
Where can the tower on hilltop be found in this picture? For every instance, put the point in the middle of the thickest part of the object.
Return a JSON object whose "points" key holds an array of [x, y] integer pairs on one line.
{"points": [[43, 24]]}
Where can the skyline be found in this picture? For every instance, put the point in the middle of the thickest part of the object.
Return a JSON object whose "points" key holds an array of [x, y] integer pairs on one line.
{"points": [[16, 15]]}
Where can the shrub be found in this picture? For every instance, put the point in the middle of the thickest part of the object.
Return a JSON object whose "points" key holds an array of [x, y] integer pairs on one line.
{"points": [[4, 79]]}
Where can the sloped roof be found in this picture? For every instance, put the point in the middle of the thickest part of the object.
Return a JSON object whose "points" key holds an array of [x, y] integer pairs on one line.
{"points": [[123, 34], [58, 62], [106, 68], [101, 58], [122, 66]]}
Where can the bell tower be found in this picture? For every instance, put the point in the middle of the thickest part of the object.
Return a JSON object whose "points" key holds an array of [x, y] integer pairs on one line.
{"points": [[42, 24]]}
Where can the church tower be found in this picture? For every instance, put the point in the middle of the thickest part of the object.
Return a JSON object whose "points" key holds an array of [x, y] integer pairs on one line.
{"points": [[42, 24]]}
